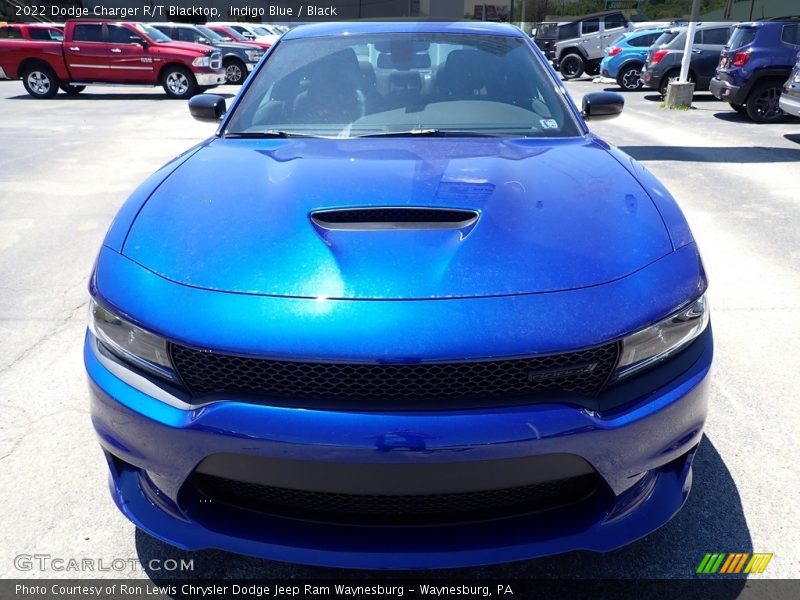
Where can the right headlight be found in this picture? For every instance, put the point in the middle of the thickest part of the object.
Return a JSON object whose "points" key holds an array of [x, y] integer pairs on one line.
{"points": [[254, 55], [202, 61], [663, 339], [130, 343]]}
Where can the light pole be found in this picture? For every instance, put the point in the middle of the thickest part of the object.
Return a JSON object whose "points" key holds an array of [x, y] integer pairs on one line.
{"points": [[687, 49]]}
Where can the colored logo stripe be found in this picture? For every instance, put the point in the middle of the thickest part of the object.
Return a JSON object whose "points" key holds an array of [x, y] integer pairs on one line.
{"points": [[758, 563], [733, 563]]}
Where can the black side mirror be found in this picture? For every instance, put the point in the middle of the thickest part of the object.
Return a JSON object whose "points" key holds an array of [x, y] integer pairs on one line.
{"points": [[602, 105], [207, 107]]}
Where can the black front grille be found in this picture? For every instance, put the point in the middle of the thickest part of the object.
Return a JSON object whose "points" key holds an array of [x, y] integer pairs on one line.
{"points": [[584, 372], [391, 509]]}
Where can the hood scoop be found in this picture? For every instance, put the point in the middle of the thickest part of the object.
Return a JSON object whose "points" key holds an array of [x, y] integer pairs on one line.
{"points": [[393, 218]]}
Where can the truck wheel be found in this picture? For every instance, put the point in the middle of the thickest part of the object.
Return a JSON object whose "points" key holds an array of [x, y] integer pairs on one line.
{"points": [[630, 78], [72, 90], [235, 71], [571, 66], [40, 81], [762, 103], [178, 82], [739, 108]]}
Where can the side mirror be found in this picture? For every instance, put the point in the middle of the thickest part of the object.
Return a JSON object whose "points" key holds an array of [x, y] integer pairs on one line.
{"points": [[135, 39], [203, 41], [207, 107], [602, 105]]}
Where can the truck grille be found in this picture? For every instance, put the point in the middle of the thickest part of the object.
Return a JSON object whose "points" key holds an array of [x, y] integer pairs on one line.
{"points": [[395, 509], [205, 372], [216, 60]]}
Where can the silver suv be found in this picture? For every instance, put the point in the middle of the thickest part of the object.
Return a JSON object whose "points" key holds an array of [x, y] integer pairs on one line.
{"points": [[582, 42]]}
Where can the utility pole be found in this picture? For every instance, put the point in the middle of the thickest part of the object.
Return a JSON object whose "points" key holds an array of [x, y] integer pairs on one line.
{"points": [[728, 9], [687, 49]]}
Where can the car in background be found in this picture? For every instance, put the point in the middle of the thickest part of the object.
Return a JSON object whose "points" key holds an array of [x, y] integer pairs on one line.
{"points": [[664, 57], [31, 31], [624, 60], [230, 34], [252, 31], [754, 66], [790, 97], [545, 35], [237, 59], [582, 42], [111, 52], [419, 319]]}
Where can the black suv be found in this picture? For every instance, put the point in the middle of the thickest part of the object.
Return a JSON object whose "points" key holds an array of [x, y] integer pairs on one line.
{"points": [[237, 59], [755, 64]]}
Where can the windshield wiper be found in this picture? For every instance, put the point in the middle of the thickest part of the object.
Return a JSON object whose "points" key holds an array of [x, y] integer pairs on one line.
{"points": [[268, 133], [428, 133]]}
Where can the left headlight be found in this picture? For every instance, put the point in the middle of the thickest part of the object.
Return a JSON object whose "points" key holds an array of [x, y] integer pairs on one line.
{"points": [[130, 343], [663, 339], [254, 55], [202, 61]]}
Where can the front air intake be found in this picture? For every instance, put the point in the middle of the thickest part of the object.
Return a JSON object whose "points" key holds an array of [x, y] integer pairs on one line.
{"points": [[394, 218]]}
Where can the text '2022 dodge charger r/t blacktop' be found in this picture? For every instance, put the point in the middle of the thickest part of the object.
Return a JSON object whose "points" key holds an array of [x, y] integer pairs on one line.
{"points": [[403, 310]]}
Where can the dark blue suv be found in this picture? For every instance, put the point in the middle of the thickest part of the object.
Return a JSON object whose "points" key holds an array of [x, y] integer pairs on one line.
{"points": [[755, 64]]}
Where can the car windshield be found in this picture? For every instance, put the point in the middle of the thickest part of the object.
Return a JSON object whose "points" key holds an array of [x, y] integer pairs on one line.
{"points": [[260, 31], [153, 33], [210, 34], [235, 35], [666, 37], [547, 30], [403, 84]]}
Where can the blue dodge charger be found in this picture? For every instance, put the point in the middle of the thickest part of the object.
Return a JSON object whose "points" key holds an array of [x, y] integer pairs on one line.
{"points": [[402, 310]]}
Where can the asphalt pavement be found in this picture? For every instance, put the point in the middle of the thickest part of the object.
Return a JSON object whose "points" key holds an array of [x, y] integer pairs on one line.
{"points": [[67, 164]]}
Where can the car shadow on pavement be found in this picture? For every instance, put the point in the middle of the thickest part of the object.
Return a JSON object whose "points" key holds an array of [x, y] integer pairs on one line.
{"points": [[92, 97], [735, 117], [712, 520], [699, 97], [713, 154], [793, 137]]}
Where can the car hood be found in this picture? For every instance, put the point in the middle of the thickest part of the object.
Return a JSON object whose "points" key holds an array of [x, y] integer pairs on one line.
{"points": [[233, 46], [552, 216], [201, 49]]}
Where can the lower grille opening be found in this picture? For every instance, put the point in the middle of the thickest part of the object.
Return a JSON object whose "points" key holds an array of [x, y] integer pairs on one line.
{"points": [[365, 509]]}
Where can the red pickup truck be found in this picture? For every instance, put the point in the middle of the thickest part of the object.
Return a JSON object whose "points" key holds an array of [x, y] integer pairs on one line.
{"points": [[107, 52]]}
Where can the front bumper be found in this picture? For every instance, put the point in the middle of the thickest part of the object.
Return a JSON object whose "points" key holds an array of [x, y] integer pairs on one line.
{"points": [[210, 78], [726, 91], [643, 453], [790, 103]]}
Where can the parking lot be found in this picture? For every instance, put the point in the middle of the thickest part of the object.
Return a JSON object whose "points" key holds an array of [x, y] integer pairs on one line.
{"points": [[67, 164]]}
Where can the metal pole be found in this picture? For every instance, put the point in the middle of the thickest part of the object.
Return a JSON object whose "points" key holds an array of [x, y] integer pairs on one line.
{"points": [[728, 9], [687, 49]]}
